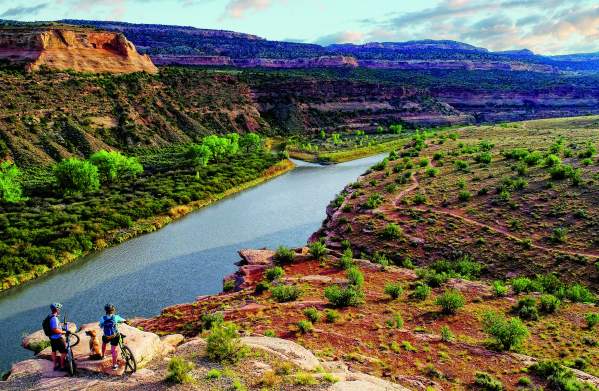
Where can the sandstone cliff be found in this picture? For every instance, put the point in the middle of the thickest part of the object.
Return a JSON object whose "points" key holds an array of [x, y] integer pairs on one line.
{"points": [[76, 49]]}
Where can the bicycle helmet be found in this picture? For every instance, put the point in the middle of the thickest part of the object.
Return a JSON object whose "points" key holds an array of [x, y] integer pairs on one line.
{"points": [[55, 306], [109, 308]]}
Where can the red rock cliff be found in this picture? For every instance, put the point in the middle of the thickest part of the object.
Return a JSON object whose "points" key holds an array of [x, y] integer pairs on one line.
{"points": [[79, 50]]}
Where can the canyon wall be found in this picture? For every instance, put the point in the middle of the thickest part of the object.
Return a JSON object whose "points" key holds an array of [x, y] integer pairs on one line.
{"points": [[78, 50]]}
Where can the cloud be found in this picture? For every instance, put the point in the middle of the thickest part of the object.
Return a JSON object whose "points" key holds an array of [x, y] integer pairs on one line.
{"points": [[545, 26], [239, 8], [341, 37], [20, 11]]}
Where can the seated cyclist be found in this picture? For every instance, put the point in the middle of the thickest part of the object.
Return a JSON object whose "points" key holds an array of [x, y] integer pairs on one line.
{"points": [[108, 323]]}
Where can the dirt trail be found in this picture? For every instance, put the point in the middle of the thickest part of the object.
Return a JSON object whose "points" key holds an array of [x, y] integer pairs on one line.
{"points": [[415, 184]]}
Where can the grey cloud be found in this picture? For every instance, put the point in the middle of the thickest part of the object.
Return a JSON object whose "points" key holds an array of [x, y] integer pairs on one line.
{"points": [[19, 11]]}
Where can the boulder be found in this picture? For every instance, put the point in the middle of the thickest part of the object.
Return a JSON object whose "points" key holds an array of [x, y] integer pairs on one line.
{"points": [[173, 340], [144, 345], [284, 349], [357, 381], [256, 257], [34, 340], [34, 366]]}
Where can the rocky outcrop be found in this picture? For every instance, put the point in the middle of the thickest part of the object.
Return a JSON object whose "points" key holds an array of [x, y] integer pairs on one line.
{"points": [[75, 49], [314, 62]]}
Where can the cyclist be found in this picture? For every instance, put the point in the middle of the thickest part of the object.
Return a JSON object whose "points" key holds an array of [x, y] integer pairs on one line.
{"points": [[52, 328], [108, 324]]}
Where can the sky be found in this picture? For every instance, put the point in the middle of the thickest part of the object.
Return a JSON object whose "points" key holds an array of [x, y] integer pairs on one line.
{"points": [[544, 26]]}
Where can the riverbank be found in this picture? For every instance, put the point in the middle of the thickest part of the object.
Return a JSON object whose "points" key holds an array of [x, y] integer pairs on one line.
{"points": [[345, 155], [143, 226]]}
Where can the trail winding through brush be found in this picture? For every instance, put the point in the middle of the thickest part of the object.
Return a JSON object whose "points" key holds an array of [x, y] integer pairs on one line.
{"points": [[415, 184]]}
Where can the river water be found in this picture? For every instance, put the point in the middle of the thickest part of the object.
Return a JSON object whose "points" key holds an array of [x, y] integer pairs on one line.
{"points": [[185, 259]]}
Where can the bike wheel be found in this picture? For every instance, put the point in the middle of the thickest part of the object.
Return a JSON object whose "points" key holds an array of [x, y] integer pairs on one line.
{"points": [[130, 362], [70, 364]]}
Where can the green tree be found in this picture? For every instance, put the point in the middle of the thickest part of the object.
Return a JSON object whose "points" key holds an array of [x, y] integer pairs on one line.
{"points": [[250, 142], [113, 165], [221, 147], [200, 155], [10, 188], [74, 175]]}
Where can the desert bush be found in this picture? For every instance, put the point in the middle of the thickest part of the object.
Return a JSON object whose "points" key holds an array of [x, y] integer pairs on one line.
{"points": [[464, 196], [559, 377], [214, 374], [347, 259], [499, 288], [285, 293], [318, 250], [228, 285], [274, 273], [483, 158], [463, 267], [450, 301], [331, 315], [421, 292], [209, 320], [432, 172], [284, 255], [485, 145], [304, 326], [223, 344], [179, 371], [419, 199], [552, 160], [74, 175], [355, 277], [374, 201], [559, 235], [392, 231], [393, 290], [549, 304], [561, 171], [516, 154], [592, 319], [350, 296], [579, 294], [461, 165], [508, 333], [533, 158], [446, 334], [312, 314], [526, 308], [396, 321], [522, 284], [487, 382]]}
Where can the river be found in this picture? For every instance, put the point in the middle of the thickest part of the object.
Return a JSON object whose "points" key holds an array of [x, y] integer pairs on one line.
{"points": [[183, 260]]}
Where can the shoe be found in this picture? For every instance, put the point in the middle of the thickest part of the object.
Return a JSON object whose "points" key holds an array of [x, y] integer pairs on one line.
{"points": [[57, 367], [115, 367]]}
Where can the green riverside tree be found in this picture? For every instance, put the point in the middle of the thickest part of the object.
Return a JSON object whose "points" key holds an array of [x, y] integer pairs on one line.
{"points": [[113, 165], [10, 188], [74, 175]]}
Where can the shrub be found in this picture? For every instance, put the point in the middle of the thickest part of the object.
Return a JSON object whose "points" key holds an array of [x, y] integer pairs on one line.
{"points": [[355, 277], [179, 371], [548, 304], [432, 172], [450, 301], [380, 258], [347, 259], [508, 333], [533, 158], [304, 379], [285, 293], [331, 315], [374, 201], [592, 320], [284, 255], [113, 165], [421, 292], [318, 250], [483, 158], [312, 314], [393, 290], [579, 294], [10, 188], [559, 235], [487, 382], [210, 320], [214, 374], [461, 165], [499, 288], [446, 334], [396, 321], [464, 196], [522, 284], [262, 287], [74, 175], [392, 231], [561, 171], [527, 308], [344, 297], [516, 154], [304, 326], [274, 273], [552, 160], [223, 344], [559, 377], [228, 285], [419, 199]]}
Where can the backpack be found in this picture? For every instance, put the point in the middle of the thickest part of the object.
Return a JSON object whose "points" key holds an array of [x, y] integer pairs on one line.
{"points": [[109, 326], [46, 326]]}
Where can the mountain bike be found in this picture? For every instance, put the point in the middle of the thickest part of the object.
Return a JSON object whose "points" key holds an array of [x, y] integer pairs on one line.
{"points": [[126, 353], [69, 363]]}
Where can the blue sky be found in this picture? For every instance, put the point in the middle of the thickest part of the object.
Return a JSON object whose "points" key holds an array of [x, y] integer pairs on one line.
{"points": [[544, 26]]}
